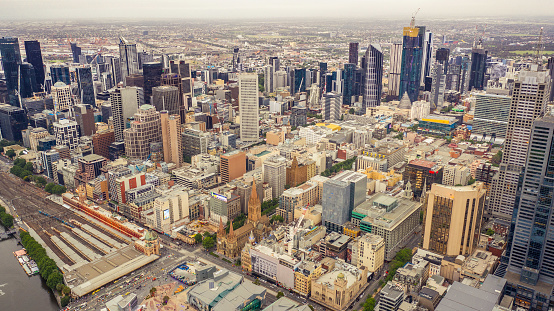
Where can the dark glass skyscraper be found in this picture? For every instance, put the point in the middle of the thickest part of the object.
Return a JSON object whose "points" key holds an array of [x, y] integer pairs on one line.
{"points": [[442, 58], [60, 73], [86, 86], [299, 80], [34, 57], [373, 76], [478, 67], [348, 91], [76, 52], [412, 54], [13, 120], [353, 53], [27, 80], [128, 57], [11, 59], [152, 73]]}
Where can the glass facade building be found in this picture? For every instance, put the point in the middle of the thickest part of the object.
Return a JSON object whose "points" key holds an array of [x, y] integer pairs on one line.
{"points": [[412, 55], [11, 59], [34, 57], [86, 86]]}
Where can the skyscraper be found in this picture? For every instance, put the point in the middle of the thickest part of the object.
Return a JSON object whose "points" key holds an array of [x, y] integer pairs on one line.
{"points": [[427, 55], [395, 68], [60, 73], [86, 85], [13, 120], [116, 70], [166, 97], [171, 138], [438, 84], [61, 96], [299, 79], [248, 107], [412, 55], [145, 130], [84, 116], [353, 53], [11, 59], [528, 264], [530, 93], [34, 57], [27, 80], [348, 91], [442, 57], [268, 79], [129, 58], [491, 115], [322, 77], [152, 73], [75, 52], [373, 76], [66, 133], [125, 102], [478, 66], [331, 106], [274, 171]]}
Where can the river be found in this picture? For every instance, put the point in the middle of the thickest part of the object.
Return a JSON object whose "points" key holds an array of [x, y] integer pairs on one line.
{"points": [[17, 290]]}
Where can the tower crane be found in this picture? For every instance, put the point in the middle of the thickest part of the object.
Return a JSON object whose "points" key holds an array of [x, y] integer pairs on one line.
{"points": [[412, 23], [293, 231]]}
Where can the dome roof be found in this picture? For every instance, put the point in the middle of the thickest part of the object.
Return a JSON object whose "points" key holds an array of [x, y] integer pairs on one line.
{"points": [[340, 276], [405, 102], [59, 84], [150, 236]]}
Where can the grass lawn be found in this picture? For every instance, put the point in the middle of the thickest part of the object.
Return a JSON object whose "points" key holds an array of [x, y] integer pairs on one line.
{"points": [[531, 52]]}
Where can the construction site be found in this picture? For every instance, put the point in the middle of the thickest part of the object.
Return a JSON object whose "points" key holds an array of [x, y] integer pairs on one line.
{"points": [[79, 237]]}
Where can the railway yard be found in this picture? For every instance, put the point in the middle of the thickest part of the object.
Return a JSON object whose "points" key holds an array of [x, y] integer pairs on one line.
{"points": [[70, 236]]}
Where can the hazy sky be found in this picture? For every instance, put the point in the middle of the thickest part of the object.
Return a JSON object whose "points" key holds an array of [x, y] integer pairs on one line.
{"points": [[233, 9]]}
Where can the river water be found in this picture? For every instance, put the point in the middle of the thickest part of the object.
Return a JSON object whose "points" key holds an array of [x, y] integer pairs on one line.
{"points": [[17, 290]]}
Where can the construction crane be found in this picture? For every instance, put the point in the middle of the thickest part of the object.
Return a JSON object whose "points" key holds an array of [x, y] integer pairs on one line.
{"points": [[539, 48], [412, 23], [293, 231]]}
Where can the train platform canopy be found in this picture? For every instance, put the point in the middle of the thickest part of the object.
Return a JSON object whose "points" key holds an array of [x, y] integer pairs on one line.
{"points": [[87, 277]]}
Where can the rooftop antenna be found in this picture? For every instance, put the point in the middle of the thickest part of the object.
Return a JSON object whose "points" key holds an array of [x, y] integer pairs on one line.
{"points": [[539, 48], [412, 23]]}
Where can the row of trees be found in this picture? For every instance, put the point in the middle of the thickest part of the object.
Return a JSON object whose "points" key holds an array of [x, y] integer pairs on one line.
{"points": [[54, 189], [268, 207], [5, 143], [22, 168], [48, 269], [5, 218], [344, 165], [401, 258]]}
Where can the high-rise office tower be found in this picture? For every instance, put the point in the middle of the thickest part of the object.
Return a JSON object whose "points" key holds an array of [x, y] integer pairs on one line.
{"points": [[233, 165], [27, 80], [144, 57], [152, 73], [34, 57], [491, 115], [353, 53], [116, 71], [447, 206], [478, 66], [427, 55], [373, 76], [75, 52], [248, 108], [66, 133], [299, 78], [171, 138], [550, 68], [11, 59], [61, 96], [125, 102], [322, 79], [275, 174], [268, 79], [529, 96], [129, 58], [144, 131], [275, 62], [236, 59], [340, 195], [13, 120], [349, 80], [412, 55], [395, 68], [528, 263], [166, 97], [331, 106], [183, 69], [60, 73], [442, 57], [465, 69], [84, 116], [438, 85], [174, 79], [86, 85]]}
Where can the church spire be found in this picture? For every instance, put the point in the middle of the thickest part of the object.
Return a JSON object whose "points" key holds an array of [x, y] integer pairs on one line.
{"points": [[221, 231], [231, 232], [254, 205]]}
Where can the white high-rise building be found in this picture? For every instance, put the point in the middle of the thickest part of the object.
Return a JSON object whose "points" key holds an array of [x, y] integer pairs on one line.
{"points": [[275, 173], [66, 133], [268, 79], [373, 80], [395, 68], [125, 102], [529, 97], [331, 105], [248, 107], [420, 109], [61, 95]]}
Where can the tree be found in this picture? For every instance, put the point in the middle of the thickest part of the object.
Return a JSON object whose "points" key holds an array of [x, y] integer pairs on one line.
{"points": [[279, 295], [208, 242], [165, 300], [19, 162], [58, 189], [65, 301], [153, 291], [369, 304], [471, 181], [41, 181], [49, 186], [257, 282], [7, 220], [28, 167], [311, 307], [198, 238], [489, 232], [54, 279], [277, 218], [287, 186], [10, 153], [59, 287], [351, 111], [497, 158]]}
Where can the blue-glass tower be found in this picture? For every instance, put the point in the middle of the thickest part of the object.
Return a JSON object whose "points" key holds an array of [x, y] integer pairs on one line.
{"points": [[27, 80], [349, 79], [478, 67], [34, 57], [86, 86], [11, 59], [299, 80], [412, 55], [60, 73]]}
